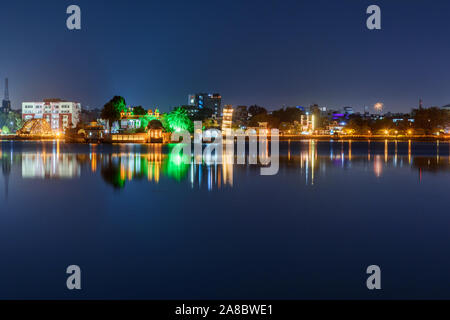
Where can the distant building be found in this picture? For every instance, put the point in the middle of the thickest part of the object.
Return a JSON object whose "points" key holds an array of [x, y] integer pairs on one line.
{"points": [[341, 118], [366, 111], [60, 114], [348, 110], [90, 115], [6, 104], [211, 101], [315, 109]]}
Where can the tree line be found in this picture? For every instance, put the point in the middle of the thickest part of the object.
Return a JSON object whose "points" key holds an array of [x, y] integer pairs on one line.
{"points": [[419, 121]]}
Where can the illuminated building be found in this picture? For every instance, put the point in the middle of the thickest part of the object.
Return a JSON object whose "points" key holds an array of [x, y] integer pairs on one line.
{"points": [[94, 132], [36, 127], [6, 104], [211, 101], [155, 131], [307, 123], [60, 114], [130, 120], [227, 118], [154, 114]]}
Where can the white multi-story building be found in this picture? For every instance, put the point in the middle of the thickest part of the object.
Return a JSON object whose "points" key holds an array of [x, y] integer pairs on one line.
{"points": [[58, 113]]}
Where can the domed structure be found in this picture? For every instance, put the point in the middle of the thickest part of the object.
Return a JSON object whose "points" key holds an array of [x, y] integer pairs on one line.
{"points": [[36, 127], [154, 125], [155, 131]]}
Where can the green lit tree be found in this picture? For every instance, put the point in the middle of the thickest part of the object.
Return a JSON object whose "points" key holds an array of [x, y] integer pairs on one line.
{"points": [[12, 120], [5, 130], [177, 120], [18, 123], [111, 110]]}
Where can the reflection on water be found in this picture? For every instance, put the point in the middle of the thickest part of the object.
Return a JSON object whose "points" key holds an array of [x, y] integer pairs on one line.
{"points": [[117, 168], [43, 165], [118, 164], [214, 229]]}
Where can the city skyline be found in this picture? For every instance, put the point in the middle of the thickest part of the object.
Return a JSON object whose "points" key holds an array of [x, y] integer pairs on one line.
{"points": [[273, 55]]}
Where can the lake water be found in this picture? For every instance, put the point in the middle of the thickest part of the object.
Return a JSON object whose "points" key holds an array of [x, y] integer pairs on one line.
{"points": [[141, 224]]}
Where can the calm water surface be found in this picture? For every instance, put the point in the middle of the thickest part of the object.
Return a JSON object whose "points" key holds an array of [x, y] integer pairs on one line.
{"points": [[141, 224]]}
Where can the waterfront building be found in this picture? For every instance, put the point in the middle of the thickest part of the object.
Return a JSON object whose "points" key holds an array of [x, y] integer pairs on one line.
{"points": [[60, 114], [307, 123], [227, 118], [36, 127], [212, 101], [130, 120], [6, 104], [155, 131], [94, 132]]}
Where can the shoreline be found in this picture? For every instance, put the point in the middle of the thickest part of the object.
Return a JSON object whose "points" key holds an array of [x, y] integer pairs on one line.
{"points": [[281, 138], [366, 138]]}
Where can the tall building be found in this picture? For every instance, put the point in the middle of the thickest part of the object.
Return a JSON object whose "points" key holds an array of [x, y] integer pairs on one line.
{"points": [[60, 114], [212, 101], [6, 104], [227, 117], [366, 111], [307, 123]]}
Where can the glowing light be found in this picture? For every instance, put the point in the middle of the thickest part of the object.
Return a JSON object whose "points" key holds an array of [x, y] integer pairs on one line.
{"points": [[378, 106]]}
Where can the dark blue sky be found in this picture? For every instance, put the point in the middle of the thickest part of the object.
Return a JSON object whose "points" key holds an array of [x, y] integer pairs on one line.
{"points": [[271, 53]]}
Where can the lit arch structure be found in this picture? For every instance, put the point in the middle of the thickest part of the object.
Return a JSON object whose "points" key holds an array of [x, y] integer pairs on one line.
{"points": [[36, 127]]}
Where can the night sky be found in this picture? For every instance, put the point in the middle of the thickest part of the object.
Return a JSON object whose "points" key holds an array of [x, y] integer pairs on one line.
{"points": [[270, 53]]}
